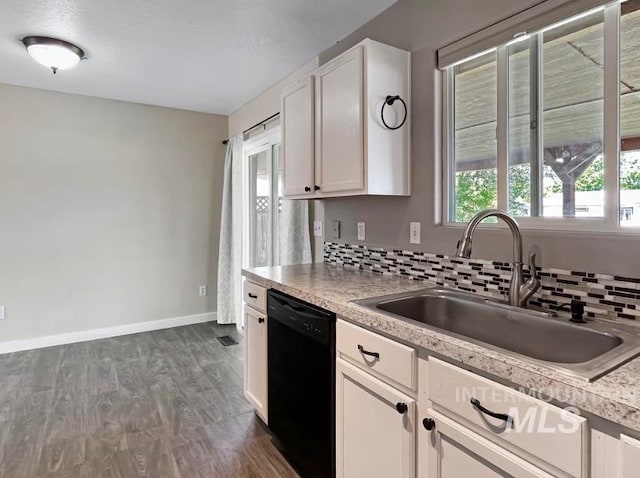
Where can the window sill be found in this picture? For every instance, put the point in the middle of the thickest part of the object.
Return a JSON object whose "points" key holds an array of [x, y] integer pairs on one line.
{"points": [[596, 227]]}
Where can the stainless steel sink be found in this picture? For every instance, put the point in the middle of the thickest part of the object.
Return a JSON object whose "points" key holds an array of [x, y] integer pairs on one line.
{"points": [[587, 351]]}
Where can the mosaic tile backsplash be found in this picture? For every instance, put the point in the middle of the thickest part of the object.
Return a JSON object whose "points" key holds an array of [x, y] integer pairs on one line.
{"points": [[605, 296]]}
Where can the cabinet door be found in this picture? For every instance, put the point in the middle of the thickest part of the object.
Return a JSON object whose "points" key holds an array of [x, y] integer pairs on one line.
{"points": [[375, 429], [255, 360], [340, 124], [630, 457], [454, 452], [298, 147]]}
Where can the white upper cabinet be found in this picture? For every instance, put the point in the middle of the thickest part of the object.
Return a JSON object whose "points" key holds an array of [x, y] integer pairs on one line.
{"points": [[298, 146], [340, 130], [355, 153]]}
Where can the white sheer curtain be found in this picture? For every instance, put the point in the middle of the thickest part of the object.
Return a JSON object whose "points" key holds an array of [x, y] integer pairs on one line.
{"points": [[292, 223], [294, 240], [230, 250]]}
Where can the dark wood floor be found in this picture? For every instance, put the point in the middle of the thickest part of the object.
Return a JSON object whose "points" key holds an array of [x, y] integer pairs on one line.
{"points": [[159, 404]]}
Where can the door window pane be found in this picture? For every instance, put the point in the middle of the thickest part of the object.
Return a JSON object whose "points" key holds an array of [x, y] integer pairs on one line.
{"points": [[573, 95], [261, 218], [475, 113], [630, 113]]}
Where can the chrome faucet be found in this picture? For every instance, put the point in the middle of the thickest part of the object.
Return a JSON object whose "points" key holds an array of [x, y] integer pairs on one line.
{"points": [[519, 293]]}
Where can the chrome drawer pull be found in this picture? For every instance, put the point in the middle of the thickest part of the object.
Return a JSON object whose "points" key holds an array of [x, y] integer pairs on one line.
{"points": [[366, 352]]}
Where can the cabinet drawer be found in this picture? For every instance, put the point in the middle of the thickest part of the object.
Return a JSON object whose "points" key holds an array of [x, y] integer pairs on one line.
{"points": [[546, 435], [375, 353], [255, 296]]}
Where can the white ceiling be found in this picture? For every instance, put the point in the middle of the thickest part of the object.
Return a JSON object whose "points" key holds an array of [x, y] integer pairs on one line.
{"points": [[201, 55]]}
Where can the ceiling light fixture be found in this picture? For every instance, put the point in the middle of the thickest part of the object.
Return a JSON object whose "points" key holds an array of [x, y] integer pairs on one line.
{"points": [[53, 53]]}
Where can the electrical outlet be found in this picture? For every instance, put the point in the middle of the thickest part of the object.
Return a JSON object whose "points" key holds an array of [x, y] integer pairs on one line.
{"points": [[317, 229], [2, 312], [414, 232], [336, 229], [361, 231], [203, 291]]}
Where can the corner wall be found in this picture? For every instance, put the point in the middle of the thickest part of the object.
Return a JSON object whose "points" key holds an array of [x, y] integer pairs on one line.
{"points": [[109, 212]]}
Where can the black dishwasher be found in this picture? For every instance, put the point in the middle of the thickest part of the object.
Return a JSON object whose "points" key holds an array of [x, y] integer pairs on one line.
{"points": [[302, 383]]}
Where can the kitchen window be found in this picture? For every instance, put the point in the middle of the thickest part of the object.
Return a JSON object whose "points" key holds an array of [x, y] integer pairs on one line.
{"points": [[547, 125]]}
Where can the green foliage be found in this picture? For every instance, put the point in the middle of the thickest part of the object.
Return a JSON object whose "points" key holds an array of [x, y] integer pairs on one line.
{"points": [[630, 171], [477, 190], [592, 179], [519, 189]]}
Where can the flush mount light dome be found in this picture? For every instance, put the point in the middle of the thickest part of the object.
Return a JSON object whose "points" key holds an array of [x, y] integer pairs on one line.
{"points": [[53, 53]]}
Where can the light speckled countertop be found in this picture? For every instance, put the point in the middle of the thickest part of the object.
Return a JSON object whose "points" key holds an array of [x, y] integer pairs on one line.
{"points": [[614, 397]]}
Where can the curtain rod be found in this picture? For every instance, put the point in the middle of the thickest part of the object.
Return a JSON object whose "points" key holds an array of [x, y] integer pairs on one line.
{"points": [[263, 122]]}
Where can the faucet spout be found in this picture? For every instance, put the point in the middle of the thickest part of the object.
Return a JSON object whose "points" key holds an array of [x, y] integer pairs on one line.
{"points": [[519, 293]]}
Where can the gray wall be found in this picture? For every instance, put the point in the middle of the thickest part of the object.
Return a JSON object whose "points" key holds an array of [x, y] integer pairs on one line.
{"points": [[109, 212], [423, 26]]}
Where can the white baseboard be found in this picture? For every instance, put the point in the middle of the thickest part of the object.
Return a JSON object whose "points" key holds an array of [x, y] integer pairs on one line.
{"points": [[86, 335]]}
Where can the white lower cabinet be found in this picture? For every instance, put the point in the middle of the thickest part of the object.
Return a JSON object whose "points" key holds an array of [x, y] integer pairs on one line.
{"points": [[375, 429], [551, 438], [401, 416], [630, 451], [255, 360], [452, 451], [614, 455]]}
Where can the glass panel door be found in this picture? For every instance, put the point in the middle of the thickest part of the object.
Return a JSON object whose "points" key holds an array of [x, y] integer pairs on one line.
{"points": [[265, 204]]}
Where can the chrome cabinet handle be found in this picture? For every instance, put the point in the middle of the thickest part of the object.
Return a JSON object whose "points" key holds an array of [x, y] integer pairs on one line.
{"points": [[500, 416], [366, 352]]}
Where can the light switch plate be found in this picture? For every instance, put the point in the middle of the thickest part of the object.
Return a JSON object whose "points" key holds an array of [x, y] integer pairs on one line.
{"points": [[361, 231], [2, 313], [414, 232], [317, 229]]}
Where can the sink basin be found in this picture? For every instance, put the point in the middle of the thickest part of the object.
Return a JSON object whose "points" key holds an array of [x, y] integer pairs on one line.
{"points": [[586, 351]]}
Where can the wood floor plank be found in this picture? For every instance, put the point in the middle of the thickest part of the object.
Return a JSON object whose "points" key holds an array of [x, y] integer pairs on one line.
{"points": [[24, 443], [64, 454], [166, 404]]}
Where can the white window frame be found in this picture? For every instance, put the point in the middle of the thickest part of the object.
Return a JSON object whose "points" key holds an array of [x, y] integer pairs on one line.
{"points": [[611, 138]]}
